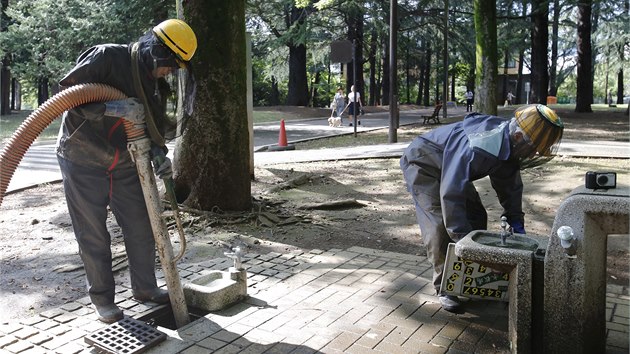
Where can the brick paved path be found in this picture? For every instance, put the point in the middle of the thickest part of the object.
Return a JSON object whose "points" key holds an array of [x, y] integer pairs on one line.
{"points": [[357, 300]]}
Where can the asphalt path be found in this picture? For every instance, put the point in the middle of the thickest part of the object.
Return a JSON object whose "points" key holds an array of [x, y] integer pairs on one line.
{"points": [[39, 164]]}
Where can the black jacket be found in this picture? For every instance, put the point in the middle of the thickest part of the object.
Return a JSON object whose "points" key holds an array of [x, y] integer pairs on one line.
{"points": [[87, 137]]}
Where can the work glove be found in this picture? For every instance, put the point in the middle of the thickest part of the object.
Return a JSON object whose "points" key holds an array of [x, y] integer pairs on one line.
{"points": [[163, 170], [130, 109], [517, 227]]}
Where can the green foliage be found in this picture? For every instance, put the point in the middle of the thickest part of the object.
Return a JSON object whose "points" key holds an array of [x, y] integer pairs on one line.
{"points": [[45, 37]]}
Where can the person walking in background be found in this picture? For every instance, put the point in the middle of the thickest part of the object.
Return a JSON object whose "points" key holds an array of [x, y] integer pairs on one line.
{"points": [[510, 98], [469, 100], [439, 168], [97, 171], [354, 100], [339, 103]]}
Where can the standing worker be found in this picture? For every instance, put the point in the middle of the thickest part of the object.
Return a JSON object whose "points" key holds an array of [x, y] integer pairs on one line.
{"points": [[440, 166], [97, 170]]}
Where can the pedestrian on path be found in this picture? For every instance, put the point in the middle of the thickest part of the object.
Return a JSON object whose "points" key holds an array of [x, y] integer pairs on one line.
{"points": [[439, 168], [469, 100], [354, 104], [98, 172], [339, 103], [510, 98]]}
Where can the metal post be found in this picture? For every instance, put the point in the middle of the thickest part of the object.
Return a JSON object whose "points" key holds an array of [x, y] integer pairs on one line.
{"points": [[354, 83], [139, 150], [393, 90]]}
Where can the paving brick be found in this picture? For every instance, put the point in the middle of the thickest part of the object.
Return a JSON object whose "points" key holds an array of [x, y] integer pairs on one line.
{"points": [[343, 341], [39, 338], [263, 337], [7, 340], [195, 349], [387, 347], [52, 313], [33, 350], [472, 334], [372, 338], [25, 332], [617, 339], [452, 330], [225, 336], [18, 347], [398, 335], [211, 343], [71, 348], [9, 328]]}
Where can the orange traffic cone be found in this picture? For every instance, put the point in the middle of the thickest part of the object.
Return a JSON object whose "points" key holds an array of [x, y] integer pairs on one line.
{"points": [[282, 140]]}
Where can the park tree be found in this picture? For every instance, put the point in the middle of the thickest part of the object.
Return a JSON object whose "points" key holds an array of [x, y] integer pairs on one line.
{"points": [[486, 62], [212, 161], [540, 42], [5, 72], [584, 94], [287, 21]]}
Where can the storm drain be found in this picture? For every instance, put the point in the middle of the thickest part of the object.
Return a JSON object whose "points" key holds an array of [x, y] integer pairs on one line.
{"points": [[126, 336]]}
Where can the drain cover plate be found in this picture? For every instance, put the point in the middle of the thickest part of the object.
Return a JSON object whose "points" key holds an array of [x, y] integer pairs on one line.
{"points": [[126, 336]]}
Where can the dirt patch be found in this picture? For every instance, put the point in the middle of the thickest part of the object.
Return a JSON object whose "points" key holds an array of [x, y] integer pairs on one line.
{"points": [[41, 268]]}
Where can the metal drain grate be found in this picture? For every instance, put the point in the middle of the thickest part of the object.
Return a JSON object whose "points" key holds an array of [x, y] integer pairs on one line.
{"points": [[126, 336]]}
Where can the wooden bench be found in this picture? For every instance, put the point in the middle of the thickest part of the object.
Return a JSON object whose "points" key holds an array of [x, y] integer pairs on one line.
{"points": [[435, 117]]}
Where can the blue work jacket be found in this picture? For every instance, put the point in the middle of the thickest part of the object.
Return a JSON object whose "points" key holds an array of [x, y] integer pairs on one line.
{"points": [[456, 155]]}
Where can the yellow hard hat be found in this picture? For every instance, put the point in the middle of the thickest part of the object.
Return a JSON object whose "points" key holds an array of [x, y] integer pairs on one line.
{"points": [[178, 37], [542, 126]]}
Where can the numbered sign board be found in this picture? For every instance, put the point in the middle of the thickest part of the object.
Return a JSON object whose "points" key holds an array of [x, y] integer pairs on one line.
{"points": [[470, 279]]}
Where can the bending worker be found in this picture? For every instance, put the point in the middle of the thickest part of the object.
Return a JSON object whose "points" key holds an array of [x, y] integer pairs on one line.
{"points": [[440, 166], [98, 171]]}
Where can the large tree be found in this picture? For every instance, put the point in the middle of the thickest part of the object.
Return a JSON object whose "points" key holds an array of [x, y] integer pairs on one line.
{"points": [[540, 41], [212, 161], [584, 94], [5, 73], [486, 60]]}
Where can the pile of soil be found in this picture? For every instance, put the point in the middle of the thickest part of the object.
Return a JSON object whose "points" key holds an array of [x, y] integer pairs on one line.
{"points": [[323, 205]]}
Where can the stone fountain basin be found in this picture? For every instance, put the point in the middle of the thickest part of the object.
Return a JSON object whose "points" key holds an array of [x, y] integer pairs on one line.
{"points": [[484, 247], [515, 241]]}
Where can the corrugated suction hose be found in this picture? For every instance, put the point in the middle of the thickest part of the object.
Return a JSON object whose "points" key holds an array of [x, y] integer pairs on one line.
{"points": [[36, 122]]}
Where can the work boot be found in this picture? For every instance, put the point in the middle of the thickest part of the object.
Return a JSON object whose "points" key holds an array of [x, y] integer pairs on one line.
{"points": [[450, 303], [109, 313], [156, 295]]}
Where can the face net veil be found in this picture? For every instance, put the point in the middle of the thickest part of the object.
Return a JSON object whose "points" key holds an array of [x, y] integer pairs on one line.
{"points": [[171, 100], [541, 131]]}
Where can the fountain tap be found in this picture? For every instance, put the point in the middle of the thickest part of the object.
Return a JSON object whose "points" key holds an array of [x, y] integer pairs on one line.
{"points": [[236, 255], [506, 230]]}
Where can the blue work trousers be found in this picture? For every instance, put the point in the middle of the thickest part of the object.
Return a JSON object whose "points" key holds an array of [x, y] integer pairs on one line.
{"points": [[89, 192]]}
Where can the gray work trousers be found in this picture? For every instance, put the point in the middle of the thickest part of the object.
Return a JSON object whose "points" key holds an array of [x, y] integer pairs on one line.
{"points": [[88, 193], [424, 187]]}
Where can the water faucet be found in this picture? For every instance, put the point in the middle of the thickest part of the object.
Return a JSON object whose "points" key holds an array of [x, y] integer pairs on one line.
{"points": [[506, 230], [236, 255]]}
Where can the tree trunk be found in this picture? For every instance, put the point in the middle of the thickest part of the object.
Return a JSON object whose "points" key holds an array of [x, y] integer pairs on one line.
{"points": [[355, 34], [485, 13], [42, 90], [453, 80], [212, 160], [274, 100], [620, 74], [5, 87], [297, 94], [584, 94], [427, 75], [553, 85], [385, 82], [540, 41], [372, 60]]}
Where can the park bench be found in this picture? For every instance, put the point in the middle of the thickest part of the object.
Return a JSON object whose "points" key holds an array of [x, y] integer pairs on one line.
{"points": [[435, 117]]}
